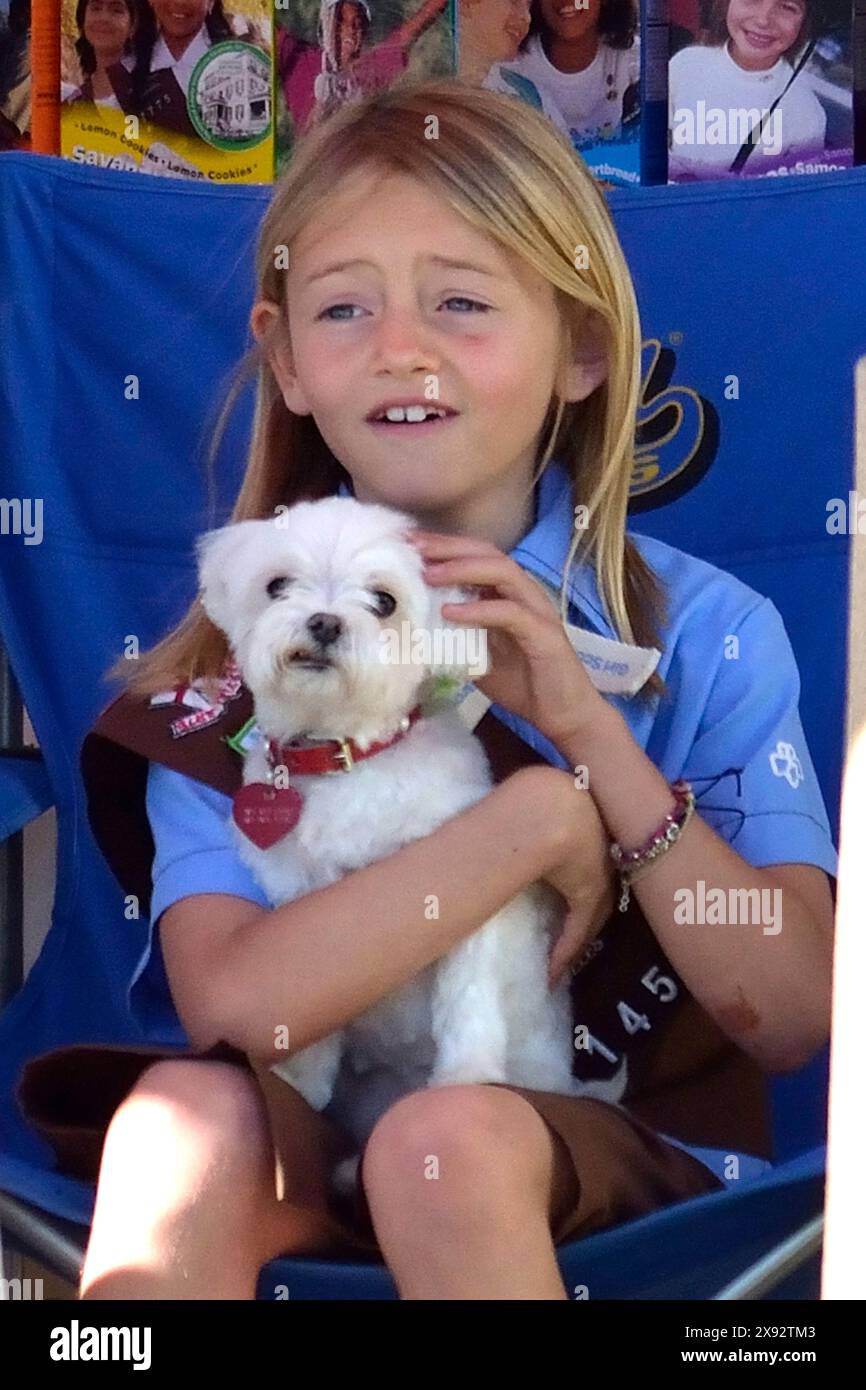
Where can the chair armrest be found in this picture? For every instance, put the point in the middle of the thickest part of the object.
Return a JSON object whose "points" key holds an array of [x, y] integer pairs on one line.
{"points": [[54, 1242]]}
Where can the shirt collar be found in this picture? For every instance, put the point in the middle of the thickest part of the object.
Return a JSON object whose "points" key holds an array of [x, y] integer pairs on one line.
{"points": [[182, 66], [542, 551]]}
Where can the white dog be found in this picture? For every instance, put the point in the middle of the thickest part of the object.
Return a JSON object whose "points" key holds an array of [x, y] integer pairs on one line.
{"points": [[312, 603]]}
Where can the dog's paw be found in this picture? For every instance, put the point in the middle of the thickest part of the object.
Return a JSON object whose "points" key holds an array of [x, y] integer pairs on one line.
{"points": [[345, 1175]]}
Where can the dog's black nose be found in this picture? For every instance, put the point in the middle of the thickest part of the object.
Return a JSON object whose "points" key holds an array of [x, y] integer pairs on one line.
{"points": [[325, 628]]}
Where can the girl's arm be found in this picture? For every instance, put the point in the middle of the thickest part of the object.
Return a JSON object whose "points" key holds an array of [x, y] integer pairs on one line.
{"points": [[766, 985], [409, 30], [240, 973]]}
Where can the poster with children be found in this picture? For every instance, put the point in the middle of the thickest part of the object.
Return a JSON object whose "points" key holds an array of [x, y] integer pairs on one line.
{"points": [[182, 88], [759, 88], [330, 52], [578, 61], [14, 74]]}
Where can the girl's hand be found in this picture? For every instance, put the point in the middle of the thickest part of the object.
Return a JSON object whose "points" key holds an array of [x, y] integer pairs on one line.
{"points": [[584, 874], [535, 672]]}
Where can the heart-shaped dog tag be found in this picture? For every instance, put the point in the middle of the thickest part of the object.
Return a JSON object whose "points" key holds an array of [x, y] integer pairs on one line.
{"points": [[264, 813]]}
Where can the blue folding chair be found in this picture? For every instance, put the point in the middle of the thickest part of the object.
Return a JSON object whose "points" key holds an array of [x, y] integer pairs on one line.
{"points": [[688, 1251], [119, 278]]}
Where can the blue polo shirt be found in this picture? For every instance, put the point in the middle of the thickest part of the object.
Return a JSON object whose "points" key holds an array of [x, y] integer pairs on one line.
{"points": [[730, 726]]}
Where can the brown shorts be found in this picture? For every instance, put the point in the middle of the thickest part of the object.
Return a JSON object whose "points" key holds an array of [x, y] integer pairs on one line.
{"points": [[609, 1166]]}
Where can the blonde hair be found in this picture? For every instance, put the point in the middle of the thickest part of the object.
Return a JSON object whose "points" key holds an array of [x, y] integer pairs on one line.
{"points": [[507, 170]]}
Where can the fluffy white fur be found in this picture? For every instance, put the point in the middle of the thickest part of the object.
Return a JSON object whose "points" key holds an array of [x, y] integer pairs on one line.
{"points": [[483, 1012]]}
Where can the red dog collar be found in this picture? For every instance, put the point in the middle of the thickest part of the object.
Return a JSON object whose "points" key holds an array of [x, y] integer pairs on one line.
{"points": [[334, 754], [266, 813]]}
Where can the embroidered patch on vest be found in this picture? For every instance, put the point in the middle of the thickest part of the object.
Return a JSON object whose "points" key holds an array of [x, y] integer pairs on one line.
{"points": [[206, 710]]}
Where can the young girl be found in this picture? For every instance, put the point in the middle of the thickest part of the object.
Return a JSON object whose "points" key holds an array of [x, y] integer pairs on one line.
{"points": [[389, 265], [106, 33], [489, 36], [744, 65], [350, 69], [585, 56]]}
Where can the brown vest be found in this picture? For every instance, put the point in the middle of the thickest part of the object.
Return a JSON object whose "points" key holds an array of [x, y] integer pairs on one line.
{"points": [[685, 1077]]}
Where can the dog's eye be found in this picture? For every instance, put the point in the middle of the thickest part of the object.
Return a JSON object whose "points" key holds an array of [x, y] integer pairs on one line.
{"points": [[385, 603], [277, 586]]}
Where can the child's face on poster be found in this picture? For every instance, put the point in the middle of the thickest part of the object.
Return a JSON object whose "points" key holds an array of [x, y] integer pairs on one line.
{"points": [[108, 25], [570, 19], [762, 30], [349, 32], [181, 19], [499, 26]]}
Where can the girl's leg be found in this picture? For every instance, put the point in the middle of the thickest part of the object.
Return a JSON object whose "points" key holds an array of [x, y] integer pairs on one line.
{"points": [[463, 1185], [186, 1206]]}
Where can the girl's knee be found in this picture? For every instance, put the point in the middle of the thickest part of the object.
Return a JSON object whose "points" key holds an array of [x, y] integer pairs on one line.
{"points": [[472, 1137], [185, 1173], [205, 1105]]}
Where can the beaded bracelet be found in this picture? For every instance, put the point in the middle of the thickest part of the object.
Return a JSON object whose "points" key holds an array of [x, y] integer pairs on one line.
{"points": [[631, 863]]}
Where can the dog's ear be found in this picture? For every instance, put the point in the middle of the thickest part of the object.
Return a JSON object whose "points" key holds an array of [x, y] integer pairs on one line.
{"points": [[458, 650], [217, 553]]}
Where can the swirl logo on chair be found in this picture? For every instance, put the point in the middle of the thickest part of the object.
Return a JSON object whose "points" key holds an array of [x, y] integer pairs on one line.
{"points": [[677, 434]]}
